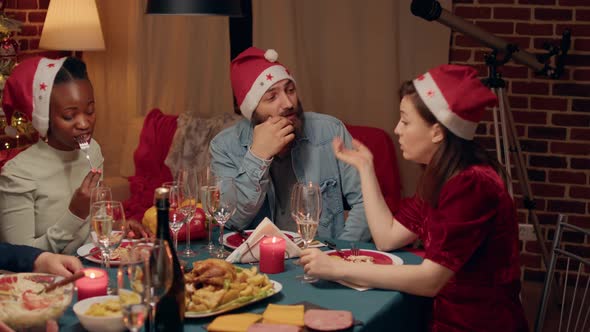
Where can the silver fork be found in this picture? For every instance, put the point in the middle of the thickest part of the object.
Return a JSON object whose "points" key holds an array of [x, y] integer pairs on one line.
{"points": [[354, 250], [84, 146]]}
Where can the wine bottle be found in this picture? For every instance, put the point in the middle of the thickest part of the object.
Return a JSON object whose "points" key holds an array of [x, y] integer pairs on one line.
{"points": [[170, 308]]}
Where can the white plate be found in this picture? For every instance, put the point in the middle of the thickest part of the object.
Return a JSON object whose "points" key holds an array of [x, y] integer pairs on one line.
{"points": [[295, 236], [379, 256], [85, 250], [276, 286]]}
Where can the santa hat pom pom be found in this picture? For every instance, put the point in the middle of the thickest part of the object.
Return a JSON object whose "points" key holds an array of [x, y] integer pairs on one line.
{"points": [[271, 55]]}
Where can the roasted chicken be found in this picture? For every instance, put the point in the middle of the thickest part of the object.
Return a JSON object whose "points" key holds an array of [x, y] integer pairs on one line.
{"points": [[211, 272]]}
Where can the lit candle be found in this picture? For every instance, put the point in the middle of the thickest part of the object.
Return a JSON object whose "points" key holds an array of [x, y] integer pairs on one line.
{"points": [[94, 283], [272, 255]]}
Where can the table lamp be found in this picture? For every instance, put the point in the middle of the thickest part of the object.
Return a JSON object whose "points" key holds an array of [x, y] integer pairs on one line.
{"points": [[72, 25]]}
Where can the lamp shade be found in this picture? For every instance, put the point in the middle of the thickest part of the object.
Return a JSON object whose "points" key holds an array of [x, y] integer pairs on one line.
{"points": [[230, 8], [72, 25]]}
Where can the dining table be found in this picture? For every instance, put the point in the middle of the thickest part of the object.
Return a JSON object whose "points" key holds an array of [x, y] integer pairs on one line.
{"points": [[373, 309]]}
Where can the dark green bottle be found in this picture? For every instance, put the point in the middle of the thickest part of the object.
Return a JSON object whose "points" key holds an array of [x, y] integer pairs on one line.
{"points": [[170, 309]]}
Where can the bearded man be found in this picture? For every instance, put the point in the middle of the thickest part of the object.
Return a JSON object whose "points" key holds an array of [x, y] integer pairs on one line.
{"points": [[277, 145]]}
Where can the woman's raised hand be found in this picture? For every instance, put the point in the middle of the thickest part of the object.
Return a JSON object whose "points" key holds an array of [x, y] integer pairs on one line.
{"points": [[80, 202], [359, 156]]}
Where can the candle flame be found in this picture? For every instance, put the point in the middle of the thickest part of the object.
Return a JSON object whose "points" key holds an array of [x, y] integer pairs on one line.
{"points": [[92, 275]]}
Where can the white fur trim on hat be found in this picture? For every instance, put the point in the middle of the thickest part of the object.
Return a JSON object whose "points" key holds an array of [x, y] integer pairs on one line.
{"points": [[438, 105], [42, 85], [263, 82]]}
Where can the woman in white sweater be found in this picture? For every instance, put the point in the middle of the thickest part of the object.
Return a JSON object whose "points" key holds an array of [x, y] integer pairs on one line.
{"points": [[45, 189]]}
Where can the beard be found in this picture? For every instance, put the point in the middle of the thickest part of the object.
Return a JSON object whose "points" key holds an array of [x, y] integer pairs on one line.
{"points": [[297, 123]]}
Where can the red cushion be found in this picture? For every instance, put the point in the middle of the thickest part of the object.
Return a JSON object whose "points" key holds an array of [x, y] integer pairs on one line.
{"points": [[385, 160], [150, 170]]}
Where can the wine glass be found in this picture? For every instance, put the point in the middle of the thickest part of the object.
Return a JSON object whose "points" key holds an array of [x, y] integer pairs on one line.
{"points": [[108, 222], [187, 178], [132, 282], [177, 215], [207, 180], [221, 203], [306, 207], [101, 192], [157, 256]]}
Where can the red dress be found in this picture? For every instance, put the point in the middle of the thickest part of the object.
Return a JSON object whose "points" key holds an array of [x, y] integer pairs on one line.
{"points": [[473, 232]]}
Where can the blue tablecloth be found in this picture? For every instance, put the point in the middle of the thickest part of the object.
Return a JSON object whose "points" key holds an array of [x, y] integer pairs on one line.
{"points": [[378, 310]]}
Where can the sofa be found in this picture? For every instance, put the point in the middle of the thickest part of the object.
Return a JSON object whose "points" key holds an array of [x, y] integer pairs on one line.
{"points": [[147, 170]]}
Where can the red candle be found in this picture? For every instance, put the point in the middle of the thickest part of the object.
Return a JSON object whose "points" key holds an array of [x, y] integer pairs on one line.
{"points": [[94, 283], [272, 255]]}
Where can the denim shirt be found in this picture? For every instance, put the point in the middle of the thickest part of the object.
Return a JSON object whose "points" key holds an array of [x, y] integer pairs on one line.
{"points": [[313, 160]]}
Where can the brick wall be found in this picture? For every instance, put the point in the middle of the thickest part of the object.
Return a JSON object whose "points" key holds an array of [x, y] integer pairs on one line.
{"points": [[32, 14], [552, 117]]}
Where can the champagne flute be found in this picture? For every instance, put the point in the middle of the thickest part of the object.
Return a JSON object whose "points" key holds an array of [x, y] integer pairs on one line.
{"points": [[101, 192], [177, 214], [157, 256], [306, 207], [109, 225], [221, 203], [132, 282], [207, 180], [187, 178]]}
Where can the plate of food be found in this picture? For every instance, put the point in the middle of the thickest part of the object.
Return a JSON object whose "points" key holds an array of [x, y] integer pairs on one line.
{"points": [[22, 305], [215, 286], [367, 256], [92, 253], [234, 239]]}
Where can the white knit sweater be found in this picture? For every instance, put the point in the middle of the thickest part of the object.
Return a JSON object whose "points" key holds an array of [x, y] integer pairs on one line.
{"points": [[35, 191]]}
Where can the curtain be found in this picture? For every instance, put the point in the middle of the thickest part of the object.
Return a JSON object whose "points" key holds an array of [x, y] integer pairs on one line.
{"points": [[114, 77], [348, 57]]}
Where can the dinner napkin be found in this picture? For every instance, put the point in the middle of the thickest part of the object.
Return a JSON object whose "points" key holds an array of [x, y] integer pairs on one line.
{"points": [[233, 323], [353, 286], [249, 251], [284, 314]]}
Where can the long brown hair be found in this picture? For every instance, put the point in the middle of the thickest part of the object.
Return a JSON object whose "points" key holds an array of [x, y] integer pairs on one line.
{"points": [[453, 155]]}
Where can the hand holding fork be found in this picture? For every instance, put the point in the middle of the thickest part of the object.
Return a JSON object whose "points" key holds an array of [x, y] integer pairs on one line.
{"points": [[84, 146]]}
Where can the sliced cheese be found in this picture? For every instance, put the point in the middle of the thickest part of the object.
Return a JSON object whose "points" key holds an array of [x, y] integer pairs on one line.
{"points": [[284, 314], [233, 323]]}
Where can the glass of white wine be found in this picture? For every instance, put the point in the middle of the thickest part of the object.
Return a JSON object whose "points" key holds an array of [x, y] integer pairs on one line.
{"points": [[101, 192], [306, 208], [108, 222], [132, 288]]}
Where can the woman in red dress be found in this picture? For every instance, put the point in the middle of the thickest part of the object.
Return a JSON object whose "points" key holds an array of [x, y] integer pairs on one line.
{"points": [[461, 211]]}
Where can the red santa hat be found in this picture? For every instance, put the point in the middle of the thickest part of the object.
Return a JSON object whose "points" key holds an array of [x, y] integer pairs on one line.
{"points": [[456, 97], [28, 90], [253, 72]]}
